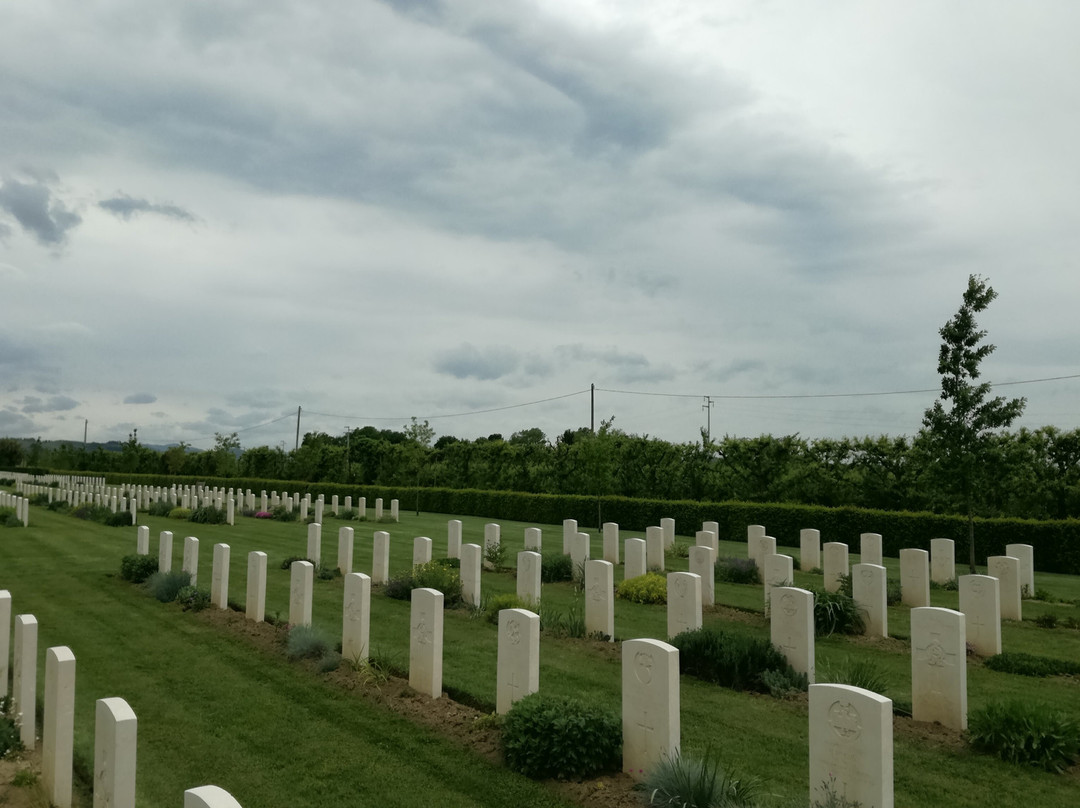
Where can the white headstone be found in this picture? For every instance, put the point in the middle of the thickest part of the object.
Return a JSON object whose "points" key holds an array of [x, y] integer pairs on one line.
{"points": [[600, 599], [471, 562], [142, 541], [611, 542], [980, 601], [492, 539], [380, 557], [533, 539], [654, 548], [518, 659], [851, 745], [579, 553], [869, 589], [939, 667], [714, 528], [5, 639], [209, 797], [115, 730], [165, 551], [191, 558], [314, 543], [255, 600], [356, 617], [650, 705], [914, 577], [791, 627], [706, 538], [334, 508], [1026, 554], [809, 549], [453, 538], [942, 560], [219, 577], [753, 533], [835, 557], [779, 571], [569, 529], [378, 509], [528, 576], [24, 678], [421, 553], [395, 510], [870, 548], [634, 553], [426, 641], [346, 537], [703, 564], [683, 602], [58, 726], [301, 579], [667, 524], [1007, 570]]}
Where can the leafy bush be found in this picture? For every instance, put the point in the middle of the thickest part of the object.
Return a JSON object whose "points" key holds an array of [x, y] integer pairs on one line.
{"points": [[846, 586], [784, 684], [677, 549], [648, 588], [836, 613], [208, 515], [288, 562], [495, 554], [499, 602], [306, 642], [561, 737], [166, 585], [1032, 665], [7, 514], [10, 740], [192, 598], [857, 673], [12, 521], [348, 514], [59, 506], [690, 782], [1023, 732], [325, 573], [436, 575], [737, 571], [399, 587], [160, 508], [1048, 620], [180, 513], [556, 623], [137, 568], [556, 567], [118, 519], [893, 592], [729, 659], [283, 514], [39, 500]]}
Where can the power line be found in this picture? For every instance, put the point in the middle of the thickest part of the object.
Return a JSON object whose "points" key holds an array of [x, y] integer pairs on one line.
{"points": [[447, 415], [830, 395]]}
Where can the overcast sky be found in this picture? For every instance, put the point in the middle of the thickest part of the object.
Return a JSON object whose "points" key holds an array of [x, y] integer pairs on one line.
{"points": [[213, 212]]}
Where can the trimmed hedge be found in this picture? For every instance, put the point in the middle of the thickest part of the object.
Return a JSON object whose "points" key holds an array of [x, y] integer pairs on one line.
{"points": [[1056, 543]]}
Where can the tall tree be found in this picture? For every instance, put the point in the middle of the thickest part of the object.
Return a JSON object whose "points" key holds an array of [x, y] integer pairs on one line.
{"points": [[958, 427]]}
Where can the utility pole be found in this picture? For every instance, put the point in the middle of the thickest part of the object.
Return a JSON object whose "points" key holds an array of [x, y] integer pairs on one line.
{"points": [[348, 459], [86, 425], [592, 408], [707, 406], [297, 429]]}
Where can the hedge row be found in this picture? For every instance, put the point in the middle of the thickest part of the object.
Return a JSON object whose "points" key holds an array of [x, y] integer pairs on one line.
{"points": [[1056, 543]]}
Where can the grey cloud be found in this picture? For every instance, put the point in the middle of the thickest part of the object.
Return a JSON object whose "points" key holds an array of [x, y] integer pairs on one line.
{"points": [[52, 404], [467, 361], [125, 207], [37, 211], [728, 371], [140, 398], [15, 423], [608, 356]]}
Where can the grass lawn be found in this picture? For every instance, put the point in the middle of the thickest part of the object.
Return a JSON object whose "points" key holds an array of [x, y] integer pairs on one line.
{"points": [[213, 710]]}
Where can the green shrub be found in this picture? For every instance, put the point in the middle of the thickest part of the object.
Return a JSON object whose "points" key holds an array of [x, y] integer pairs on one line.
{"points": [[495, 554], [785, 684], [306, 642], [192, 598], [39, 500], [166, 585], [497, 603], [893, 592], [556, 567], [436, 575], [180, 513], [118, 519], [729, 659], [1048, 620], [160, 508], [10, 740], [690, 782], [677, 549], [137, 568], [399, 587], [283, 514], [556, 623], [648, 588], [288, 562], [59, 506], [855, 672], [208, 515], [1023, 732], [9, 519], [561, 737], [1032, 665], [737, 571], [348, 514], [836, 613], [325, 573], [846, 587]]}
